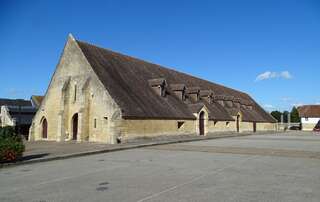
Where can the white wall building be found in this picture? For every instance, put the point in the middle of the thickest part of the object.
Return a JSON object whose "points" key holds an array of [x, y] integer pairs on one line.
{"points": [[310, 116]]}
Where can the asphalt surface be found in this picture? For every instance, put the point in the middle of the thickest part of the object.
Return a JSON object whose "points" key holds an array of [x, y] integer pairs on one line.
{"points": [[283, 167], [40, 151]]}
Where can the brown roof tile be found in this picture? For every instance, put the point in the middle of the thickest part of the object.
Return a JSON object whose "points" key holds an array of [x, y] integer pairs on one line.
{"points": [[309, 111], [126, 79], [177, 87]]}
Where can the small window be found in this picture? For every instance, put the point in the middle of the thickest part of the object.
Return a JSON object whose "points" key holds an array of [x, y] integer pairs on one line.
{"points": [[75, 93], [95, 123], [307, 119], [227, 123], [215, 123], [180, 124]]}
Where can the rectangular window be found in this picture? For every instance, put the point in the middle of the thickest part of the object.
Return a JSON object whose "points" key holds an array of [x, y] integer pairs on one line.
{"points": [[180, 124], [307, 119], [95, 123], [227, 123]]}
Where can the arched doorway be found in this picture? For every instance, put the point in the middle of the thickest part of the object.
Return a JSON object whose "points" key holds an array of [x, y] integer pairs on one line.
{"points": [[75, 127], [238, 123], [44, 128], [201, 123]]}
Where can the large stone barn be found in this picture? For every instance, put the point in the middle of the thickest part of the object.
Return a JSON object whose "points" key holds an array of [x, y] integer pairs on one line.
{"points": [[98, 95]]}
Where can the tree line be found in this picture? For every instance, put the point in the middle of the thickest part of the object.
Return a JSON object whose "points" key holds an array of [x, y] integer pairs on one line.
{"points": [[294, 115]]}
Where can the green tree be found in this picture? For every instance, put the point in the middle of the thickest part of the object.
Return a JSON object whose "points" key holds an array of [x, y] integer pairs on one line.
{"points": [[295, 115], [285, 116], [276, 115]]}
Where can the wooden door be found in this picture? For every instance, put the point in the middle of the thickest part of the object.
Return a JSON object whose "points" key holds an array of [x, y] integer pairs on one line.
{"points": [[238, 123], [75, 126], [201, 123], [44, 128]]}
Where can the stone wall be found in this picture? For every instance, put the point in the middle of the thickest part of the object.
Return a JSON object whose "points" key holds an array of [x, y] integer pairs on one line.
{"points": [[75, 89], [131, 129], [266, 127], [246, 127], [221, 126], [142, 128]]}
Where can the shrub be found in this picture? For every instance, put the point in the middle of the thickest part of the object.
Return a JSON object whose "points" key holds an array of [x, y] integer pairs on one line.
{"points": [[11, 145]]}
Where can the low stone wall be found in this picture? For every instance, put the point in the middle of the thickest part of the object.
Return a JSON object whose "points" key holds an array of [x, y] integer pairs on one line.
{"points": [[221, 126], [131, 129], [246, 127], [266, 126]]}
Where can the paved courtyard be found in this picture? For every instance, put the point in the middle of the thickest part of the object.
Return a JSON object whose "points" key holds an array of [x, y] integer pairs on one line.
{"points": [[278, 167]]}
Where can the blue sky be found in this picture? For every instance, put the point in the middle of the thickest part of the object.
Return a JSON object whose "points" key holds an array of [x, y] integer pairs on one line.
{"points": [[269, 49]]}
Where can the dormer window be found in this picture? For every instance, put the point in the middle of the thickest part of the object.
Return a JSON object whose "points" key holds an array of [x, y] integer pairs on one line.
{"points": [[219, 99], [236, 102], [229, 101], [207, 95], [193, 93], [179, 90], [159, 86]]}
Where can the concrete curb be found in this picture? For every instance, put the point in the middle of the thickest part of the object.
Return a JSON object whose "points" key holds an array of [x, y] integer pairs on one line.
{"points": [[121, 148]]}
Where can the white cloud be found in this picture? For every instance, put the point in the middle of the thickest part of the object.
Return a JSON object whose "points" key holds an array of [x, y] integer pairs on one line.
{"points": [[266, 75], [297, 104], [268, 106], [271, 75], [285, 75]]}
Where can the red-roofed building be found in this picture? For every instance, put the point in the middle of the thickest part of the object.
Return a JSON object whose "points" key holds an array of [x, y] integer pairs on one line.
{"points": [[310, 116]]}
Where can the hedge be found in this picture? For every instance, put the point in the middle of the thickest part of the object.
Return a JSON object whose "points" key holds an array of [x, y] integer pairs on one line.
{"points": [[11, 145]]}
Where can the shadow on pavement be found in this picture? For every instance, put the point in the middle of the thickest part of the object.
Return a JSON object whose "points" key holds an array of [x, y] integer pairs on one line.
{"points": [[34, 156]]}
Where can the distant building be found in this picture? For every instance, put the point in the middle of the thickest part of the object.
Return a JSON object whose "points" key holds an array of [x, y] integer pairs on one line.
{"points": [[98, 95], [309, 115], [19, 113]]}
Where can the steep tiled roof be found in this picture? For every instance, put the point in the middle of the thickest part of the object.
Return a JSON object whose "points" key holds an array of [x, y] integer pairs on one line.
{"points": [[309, 111], [126, 79]]}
